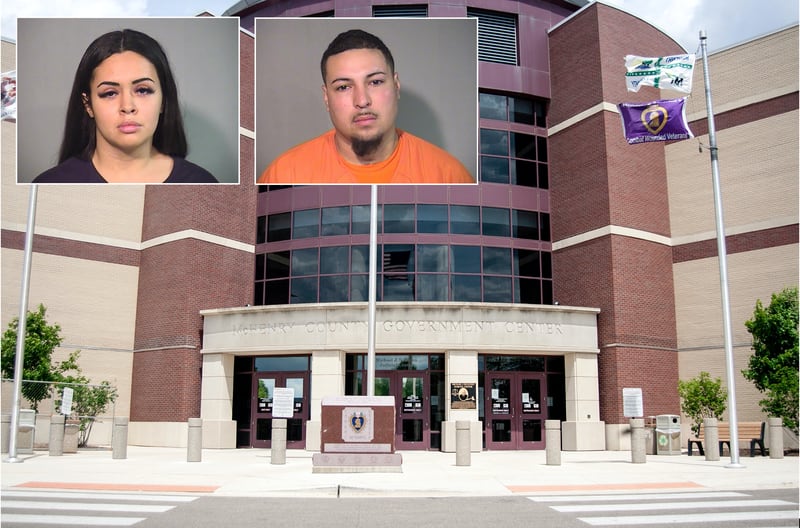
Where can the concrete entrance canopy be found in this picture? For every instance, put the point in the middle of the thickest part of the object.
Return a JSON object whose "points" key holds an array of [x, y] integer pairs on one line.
{"points": [[460, 331]]}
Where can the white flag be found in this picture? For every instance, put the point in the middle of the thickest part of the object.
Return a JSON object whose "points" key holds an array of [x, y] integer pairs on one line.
{"points": [[673, 72], [9, 92]]}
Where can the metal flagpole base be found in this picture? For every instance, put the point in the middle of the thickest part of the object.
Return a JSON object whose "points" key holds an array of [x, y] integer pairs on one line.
{"points": [[735, 466], [14, 460]]}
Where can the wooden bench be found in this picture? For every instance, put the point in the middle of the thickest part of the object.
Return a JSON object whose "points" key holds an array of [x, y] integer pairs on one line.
{"points": [[747, 431]]}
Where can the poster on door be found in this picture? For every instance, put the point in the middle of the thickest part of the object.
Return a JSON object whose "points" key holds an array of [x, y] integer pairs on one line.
{"points": [[499, 405], [529, 405], [412, 403]]}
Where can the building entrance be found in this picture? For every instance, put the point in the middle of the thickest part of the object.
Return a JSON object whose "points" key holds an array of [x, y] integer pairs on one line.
{"points": [[417, 383], [514, 406], [264, 385]]}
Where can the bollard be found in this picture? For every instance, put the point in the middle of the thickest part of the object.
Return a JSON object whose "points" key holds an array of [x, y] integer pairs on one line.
{"points": [[552, 441], [278, 450], [463, 448], [119, 438], [775, 437], [638, 441], [194, 444], [56, 443], [711, 438]]}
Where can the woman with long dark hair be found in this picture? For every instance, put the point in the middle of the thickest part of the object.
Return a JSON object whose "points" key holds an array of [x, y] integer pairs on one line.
{"points": [[124, 121]]}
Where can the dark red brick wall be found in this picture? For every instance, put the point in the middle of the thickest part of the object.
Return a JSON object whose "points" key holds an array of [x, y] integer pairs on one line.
{"points": [[598, 180]]}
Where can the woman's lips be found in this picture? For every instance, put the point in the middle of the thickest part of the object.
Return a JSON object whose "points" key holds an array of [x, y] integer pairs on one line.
{"points": [[129, 127]]}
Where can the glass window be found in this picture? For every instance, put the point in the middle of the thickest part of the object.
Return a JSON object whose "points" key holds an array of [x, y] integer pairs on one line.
{"points": [[333, 260], [547, 292], [494, 142], [261, 230], [359, 259], [526, 224], [521, 110], [523, 146], [305, 224], [335, 221], [466, 259], [493, 106], [523, 173], [398, 259], [260, 266], [398, 218], [281, 364], [305, 262], [277, 265], [431, 218], [526, 263], [497, 289], [541, 148], [258, 294], [333, 288], [539, 109], [544, 231], [360, 224], [494, 170], [304, 290], [432, 287], [359, 288], [465, 220], [528, 291], [496, 222], [432, 258], [276, 292], [547, 266], [497, 261], [466, 288], [279, 227], [544, 177], [398, 287]]}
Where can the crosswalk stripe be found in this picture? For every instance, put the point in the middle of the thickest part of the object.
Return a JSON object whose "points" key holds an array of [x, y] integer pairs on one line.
{"points": [[96, 496], [86, 506], [642, 520], [635, 497], [658, 506], [70, 520]]}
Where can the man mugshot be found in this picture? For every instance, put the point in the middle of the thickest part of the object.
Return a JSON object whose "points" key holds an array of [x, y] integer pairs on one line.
{"points": [[361, 92]]}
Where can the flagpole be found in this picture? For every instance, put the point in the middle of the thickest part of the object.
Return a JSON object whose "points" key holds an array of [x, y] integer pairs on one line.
{"points": [[723, 265], [22, 323], [373, 273]]}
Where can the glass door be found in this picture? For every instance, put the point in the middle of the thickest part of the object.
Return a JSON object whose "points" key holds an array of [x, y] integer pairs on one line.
{"points": [[514, 411], [412, 403], [264, 385]]}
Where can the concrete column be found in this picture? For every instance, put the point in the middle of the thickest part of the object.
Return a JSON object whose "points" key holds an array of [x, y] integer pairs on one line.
{"points": [[711, 438], [775, 437], [56, 442], [119, 438], [463, 451], [194, 443], [278, 450], [638, 441], [552, 440]]}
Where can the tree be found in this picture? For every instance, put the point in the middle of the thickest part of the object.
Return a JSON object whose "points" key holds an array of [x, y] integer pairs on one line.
{"points": [[773, 367], [702, 397], [41, 339]]}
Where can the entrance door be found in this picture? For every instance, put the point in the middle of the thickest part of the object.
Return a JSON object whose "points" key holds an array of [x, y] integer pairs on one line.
{"points": [[264, 384], [514, 410], [412, 421]]}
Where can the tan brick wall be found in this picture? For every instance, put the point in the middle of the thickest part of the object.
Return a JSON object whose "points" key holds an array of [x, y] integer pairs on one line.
{"points": [[749, 72], [758, 167]]}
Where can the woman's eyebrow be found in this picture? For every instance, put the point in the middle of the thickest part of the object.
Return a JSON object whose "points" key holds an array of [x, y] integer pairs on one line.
{"points": [[135, 81]]}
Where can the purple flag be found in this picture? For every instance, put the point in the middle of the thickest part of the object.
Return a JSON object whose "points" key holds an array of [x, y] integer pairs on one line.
{"points": [[663, 120]]}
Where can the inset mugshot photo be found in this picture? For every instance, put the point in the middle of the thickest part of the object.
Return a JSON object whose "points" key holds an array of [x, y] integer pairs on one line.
{"points": [[366, 101], [128, 100]]}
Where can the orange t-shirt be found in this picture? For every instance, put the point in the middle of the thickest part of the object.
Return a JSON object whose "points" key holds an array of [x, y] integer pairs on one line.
{"points": [[413, 161]]}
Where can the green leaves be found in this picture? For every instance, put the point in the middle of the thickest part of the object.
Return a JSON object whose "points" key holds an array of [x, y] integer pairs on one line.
{"points": [[773, 367], [702, 397]]}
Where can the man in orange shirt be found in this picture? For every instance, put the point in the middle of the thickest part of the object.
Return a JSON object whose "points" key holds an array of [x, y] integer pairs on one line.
{"points": [[361, 91]]}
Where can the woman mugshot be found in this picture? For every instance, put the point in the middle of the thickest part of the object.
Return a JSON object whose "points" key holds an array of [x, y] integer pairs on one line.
{"points": [[124, 122]]}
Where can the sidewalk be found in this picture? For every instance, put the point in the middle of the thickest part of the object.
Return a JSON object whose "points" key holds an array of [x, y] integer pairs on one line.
{"points": [[248, 472]]}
